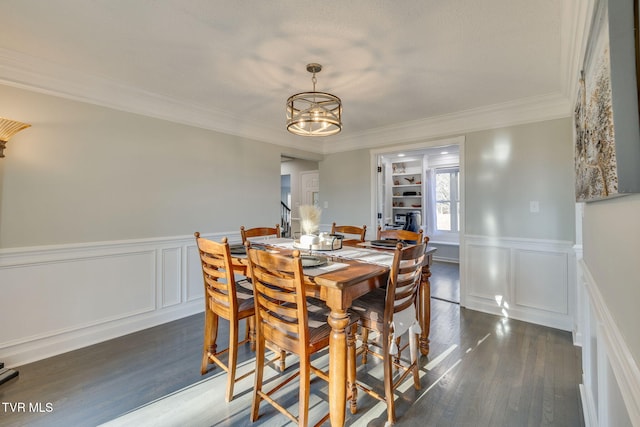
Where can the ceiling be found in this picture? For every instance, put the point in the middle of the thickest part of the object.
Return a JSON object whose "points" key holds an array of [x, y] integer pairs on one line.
{"points": [[404, 70]]}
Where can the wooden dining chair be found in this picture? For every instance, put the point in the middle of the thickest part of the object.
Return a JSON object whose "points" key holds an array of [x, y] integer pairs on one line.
{"points": [[227, 298], [361, 232], [407, 236], [286, 318], [392, 312], [248, 233]]}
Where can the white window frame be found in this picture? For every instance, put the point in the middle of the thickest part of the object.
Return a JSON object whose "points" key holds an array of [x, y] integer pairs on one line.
{"points": [[454, 201]]}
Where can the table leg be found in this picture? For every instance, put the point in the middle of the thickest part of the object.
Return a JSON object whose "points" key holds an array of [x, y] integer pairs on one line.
{"points": [[424, 314], [338, 320]]}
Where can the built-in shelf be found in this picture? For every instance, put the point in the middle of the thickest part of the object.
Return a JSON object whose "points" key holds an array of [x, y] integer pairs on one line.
{"points": [[407, 188]]}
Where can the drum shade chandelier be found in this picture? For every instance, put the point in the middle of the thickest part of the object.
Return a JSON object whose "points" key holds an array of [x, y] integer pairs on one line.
{"points": [[8, 128], [314, 113]]}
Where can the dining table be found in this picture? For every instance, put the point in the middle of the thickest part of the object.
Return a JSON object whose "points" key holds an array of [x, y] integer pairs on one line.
{"points": [[353, 270]]}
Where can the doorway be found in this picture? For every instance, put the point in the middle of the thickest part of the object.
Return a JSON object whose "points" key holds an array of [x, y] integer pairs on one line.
{"points": [[426, 179], [300, 180]]}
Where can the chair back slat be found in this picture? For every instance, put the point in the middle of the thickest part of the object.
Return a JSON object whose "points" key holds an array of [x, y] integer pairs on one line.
{"points": [[404, 235], [217, 272], [361, 232], [404, 279], [248, 233], [281, 307]]}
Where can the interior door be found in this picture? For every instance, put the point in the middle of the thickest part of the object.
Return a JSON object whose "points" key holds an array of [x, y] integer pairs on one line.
{"points": [[309, 187]]}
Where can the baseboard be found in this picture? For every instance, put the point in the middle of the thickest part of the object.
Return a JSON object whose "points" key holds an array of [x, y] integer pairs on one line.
{"points": [[538, 317], [449, 260], [55, 302], [45, 347], [502, 276]]}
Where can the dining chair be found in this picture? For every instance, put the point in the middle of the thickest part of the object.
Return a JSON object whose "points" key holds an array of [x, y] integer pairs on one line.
{"points": [[361, 232], [392, 312], [404, 235], [248, 233], [227, 298], [287, 318]]}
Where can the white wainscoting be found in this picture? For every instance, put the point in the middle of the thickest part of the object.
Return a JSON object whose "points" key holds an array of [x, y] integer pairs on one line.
{"points": [[525, 279], [59, 298], [611, 379]]}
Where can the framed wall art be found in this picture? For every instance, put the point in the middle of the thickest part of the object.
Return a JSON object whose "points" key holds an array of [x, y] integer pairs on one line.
{"points": [[606, 116]]}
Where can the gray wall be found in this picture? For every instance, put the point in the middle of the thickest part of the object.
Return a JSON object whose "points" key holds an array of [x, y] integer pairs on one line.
{"points": [[505, 169], [345, 184], [84, 173]]}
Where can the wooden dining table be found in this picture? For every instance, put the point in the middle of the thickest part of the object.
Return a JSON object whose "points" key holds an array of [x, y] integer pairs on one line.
{"points": [[338, 289]]}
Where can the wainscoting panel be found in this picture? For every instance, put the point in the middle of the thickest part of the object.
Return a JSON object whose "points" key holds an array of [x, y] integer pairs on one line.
{"points": [[171, 288], [488, 268], [54, 299], [524, 279], [611, 378], [195, 286], [540, 281]]}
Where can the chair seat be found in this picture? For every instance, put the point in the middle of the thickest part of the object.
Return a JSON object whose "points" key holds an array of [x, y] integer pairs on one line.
{"points": [[370, 309], [319, 329]]}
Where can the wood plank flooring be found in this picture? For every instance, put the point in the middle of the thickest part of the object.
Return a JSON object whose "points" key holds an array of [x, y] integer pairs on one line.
{"points": [[483, 370]]}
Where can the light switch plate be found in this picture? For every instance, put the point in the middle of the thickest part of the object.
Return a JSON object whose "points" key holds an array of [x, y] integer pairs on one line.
{"points": [[534, 206]]}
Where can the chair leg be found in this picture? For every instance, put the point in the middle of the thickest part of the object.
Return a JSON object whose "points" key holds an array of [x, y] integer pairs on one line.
{"points": [[233, 358], [388, 381], [210, 337], [365, 343], [257, 387], [413, 350], [251, 327], [305, 385], [283, 360], [396, 358], [351, 368]]}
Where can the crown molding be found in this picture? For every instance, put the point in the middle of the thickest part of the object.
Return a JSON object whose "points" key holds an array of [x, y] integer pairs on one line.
{"points": [[529, 110], [576, 23], [30, 73], [27, 72]]}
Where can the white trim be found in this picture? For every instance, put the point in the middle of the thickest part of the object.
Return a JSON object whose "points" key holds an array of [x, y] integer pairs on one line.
{"points": [[530, 110], [163, 290], [26, 72], [499, 282], [615, 351], [588, 407]]}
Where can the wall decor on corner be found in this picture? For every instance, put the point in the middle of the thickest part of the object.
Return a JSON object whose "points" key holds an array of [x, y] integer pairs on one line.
{"points": [[606, 116]]}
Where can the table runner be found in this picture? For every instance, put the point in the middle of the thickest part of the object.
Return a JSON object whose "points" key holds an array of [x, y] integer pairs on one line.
{"points": [[371, 256]]}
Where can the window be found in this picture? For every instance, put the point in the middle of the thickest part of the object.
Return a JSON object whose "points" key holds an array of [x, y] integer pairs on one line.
{"points": [[447, 199]]}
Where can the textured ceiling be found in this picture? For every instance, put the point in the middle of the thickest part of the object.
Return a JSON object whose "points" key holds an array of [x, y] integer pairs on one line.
{"points": [[230, 65]]}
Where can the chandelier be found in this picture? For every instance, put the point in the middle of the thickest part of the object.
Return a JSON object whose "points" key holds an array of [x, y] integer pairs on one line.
{"points": [[314, 113]]}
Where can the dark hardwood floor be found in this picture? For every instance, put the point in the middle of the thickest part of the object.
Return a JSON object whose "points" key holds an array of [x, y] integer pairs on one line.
{"points": [[483, 370], [445, 281]]}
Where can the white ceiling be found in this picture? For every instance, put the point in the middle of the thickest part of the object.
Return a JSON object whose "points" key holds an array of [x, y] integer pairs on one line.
{"points": [[404, 69]]}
